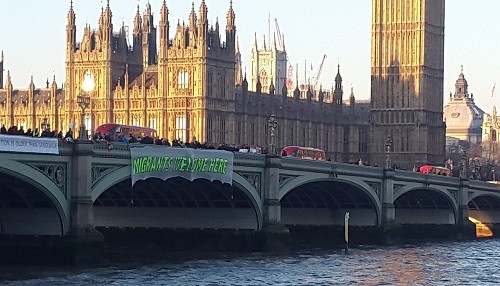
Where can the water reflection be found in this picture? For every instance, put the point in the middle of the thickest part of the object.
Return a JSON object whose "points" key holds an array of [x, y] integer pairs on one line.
{"points": [[482, 230], [451, 263]]}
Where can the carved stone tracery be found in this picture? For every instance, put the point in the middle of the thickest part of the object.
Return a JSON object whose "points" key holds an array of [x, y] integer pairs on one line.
{"points": [[55, 172], [254, 179], [100, 171], [283, 179]]}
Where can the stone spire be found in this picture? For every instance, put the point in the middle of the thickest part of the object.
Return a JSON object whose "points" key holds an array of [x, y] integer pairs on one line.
{"points": [[203, 24], [352, 100], [137, 22], [461, 86], [71, 28], [238, 69], [271, 87], [164, 26], [106, 25], [255, 46], [230, 26], [1, 70], [338, 91]]}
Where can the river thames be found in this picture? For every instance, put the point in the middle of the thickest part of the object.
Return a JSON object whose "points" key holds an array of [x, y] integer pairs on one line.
{"points": [[445, 263]]}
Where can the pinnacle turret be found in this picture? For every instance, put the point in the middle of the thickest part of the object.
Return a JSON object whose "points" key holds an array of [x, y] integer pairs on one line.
{"points": [[230, 26]]}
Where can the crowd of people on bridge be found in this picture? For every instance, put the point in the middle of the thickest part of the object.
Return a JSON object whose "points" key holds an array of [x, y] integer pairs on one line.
{"points": [[195, 144], [47, 133], [130, 138], [475, 172]]}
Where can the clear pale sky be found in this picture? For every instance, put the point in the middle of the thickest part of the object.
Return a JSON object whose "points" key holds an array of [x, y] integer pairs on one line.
{"points": [[32, 37]]}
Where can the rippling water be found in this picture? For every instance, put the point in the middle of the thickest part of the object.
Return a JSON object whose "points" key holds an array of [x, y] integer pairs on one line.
{"points": [[452, 263]]}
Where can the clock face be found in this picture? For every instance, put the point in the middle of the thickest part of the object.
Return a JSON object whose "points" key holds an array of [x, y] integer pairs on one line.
{"points": [[88, 83]]}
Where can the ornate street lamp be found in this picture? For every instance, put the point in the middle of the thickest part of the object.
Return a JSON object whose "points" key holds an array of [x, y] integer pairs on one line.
{"points": [[388, 148], [273, 124], [84, 102], [45, 124], [464, 164]]}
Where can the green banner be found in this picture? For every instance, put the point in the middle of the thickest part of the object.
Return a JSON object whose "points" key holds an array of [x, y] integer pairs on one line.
{"points": [[151, 161]]}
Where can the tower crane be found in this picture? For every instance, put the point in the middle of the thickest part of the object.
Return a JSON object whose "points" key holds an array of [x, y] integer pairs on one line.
{"points": [[315, 85], [278, 32], [289, 80]]}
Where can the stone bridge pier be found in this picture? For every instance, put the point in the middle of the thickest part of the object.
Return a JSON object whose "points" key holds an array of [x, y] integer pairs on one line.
{"points": [[272, 205], [83, 243]]}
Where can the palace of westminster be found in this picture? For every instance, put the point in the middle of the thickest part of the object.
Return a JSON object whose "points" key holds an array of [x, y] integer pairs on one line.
{"points": [[190, 85]]}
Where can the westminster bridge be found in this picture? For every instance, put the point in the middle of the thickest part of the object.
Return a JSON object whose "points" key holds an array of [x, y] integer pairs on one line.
{"points": [[88, 185]]}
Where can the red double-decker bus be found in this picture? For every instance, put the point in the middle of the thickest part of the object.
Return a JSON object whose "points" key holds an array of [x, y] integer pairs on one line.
{"points": [[429, 169], [303, 153], [112, 129]]}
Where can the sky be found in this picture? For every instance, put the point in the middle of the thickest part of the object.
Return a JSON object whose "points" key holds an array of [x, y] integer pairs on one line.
{"points": [[32, 37]]}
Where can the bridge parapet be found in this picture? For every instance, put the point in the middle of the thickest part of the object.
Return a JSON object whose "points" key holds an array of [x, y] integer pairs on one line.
{"points": [[426, 179]]}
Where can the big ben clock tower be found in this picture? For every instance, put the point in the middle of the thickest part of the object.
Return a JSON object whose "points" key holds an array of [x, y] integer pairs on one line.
{"points": [[407, 81]]}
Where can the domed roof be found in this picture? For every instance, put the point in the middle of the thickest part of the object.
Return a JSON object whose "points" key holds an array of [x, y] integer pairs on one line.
{"points": [[462, 115]]}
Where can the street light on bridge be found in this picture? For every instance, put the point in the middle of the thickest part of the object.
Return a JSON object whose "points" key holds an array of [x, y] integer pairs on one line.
{"points": [[45, 124], [273, 124], [388, 148], [464, 164], [84, 102]]}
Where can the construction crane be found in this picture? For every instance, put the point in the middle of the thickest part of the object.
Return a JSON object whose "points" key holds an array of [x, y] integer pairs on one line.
{"points": [[315, 85], [289, 80], [278, 32], [281, 43]]}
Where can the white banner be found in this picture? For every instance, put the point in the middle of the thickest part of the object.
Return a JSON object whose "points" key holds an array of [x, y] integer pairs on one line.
{"points": [[25, 144]]}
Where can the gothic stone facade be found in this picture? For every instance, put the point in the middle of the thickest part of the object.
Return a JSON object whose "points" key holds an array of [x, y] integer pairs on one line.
{"points": [[407, 81], [188, 86], [181, 87]]}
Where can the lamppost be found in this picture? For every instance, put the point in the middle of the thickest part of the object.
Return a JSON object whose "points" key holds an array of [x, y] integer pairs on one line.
{"points": [[45, 124], [84, 102], [464, 164], [273, 124], [388, 148]]}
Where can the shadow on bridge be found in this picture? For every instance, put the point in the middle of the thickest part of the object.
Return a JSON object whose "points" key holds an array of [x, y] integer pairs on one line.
{"points": [[26, 210], [324, 203], [175, 203], [425, 206], [485, 209]]}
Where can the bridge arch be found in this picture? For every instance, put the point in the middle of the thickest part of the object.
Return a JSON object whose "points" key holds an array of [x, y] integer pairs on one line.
{"points": [[484, 207], [437, 195], [35, 178], [371, 196], [124, 173], [311, 178], [110, 180], [479, 194]]}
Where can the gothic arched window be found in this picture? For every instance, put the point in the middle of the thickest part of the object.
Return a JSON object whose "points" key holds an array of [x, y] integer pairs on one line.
{"points": [[88, 83], [152, 122], [182, 79], [264, 80], [136, 121]]}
